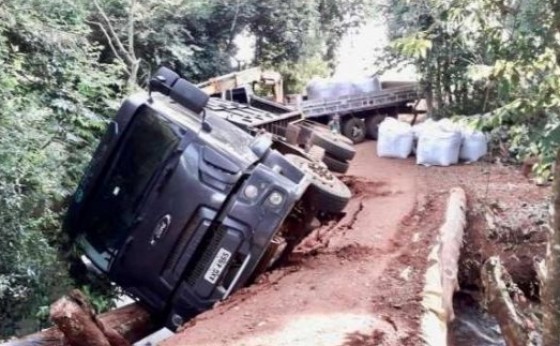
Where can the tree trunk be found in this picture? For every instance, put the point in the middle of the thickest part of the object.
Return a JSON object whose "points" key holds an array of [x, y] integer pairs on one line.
{"points": [[551, 294], [438, 89], [451, 234], [555, 28], [428, 87], [133, 76], [464, 94], [441, 276], [132, 322], [496, 280], [76, 324], [448, 80]]}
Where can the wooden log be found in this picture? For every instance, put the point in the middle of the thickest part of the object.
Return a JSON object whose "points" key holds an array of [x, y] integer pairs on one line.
{"points": [[451, 235], [132, 322], [497, 289], [433, 323], [551, 294], [540, 268], [441, 275], [76, 324]]}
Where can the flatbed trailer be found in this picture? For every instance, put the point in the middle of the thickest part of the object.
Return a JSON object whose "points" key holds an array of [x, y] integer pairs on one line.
{"points": [[233, 98], [292, 132], [248, 117], [361, 114]]}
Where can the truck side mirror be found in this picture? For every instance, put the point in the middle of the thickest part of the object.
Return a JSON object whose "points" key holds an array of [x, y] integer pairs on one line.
{"points": [[167, 82], [189, 96]]}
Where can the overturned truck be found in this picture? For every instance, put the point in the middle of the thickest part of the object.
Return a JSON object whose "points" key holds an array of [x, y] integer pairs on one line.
{"points": [[180, 207]]}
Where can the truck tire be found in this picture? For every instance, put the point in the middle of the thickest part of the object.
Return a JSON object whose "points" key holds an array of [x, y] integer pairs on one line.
{"points": [[335, 164], [372, 125], [355, 129], [324, 128], [316, 153], [334, 145], [326, 192]]}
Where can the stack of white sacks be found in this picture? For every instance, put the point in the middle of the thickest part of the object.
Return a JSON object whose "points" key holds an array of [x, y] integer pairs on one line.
{"points": [[440, 143], [321, 88]]}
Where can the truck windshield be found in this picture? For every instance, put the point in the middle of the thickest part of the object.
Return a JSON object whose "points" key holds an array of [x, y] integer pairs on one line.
{"points": [[111, 210]]}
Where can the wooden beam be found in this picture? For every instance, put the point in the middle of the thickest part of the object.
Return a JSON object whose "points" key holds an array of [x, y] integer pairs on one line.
{"points": [[441, 275], [497, 289], [76, 324], [132, 322], [451, 235]]}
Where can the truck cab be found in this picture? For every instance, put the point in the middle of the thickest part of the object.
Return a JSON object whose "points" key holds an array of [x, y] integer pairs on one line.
{"points": [[179, 206]]}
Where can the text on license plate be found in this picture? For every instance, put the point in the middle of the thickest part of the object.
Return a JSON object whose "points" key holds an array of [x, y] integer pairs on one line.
{"points": [[218, 265]]}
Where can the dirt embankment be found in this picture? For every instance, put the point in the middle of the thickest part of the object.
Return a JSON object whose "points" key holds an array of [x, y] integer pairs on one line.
{"points": [[507, 216], [354, 282]]}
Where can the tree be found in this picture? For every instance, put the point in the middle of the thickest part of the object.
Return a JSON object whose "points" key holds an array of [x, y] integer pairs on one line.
{"points": [[55, 97], [125, 55], [551, 294], [496, 58]]}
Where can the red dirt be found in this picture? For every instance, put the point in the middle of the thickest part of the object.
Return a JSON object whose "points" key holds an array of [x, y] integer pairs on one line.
{"points": [[358, 281], [354, 282], [507, 216]]}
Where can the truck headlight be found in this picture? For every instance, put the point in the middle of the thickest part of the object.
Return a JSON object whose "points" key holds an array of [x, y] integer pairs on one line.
{"points": [[251, 192], [276, 198]]}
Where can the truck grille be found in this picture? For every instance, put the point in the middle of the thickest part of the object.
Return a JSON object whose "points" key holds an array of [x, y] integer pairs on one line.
{"points": [[205, 254]]}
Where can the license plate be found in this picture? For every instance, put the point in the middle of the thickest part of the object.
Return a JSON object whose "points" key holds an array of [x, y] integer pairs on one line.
{"points": [[218, 265]]}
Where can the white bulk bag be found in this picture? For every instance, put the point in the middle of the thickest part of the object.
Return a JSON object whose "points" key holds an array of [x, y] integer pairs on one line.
{"points": [[437, 147], [394, 139], [418, 129], [319, 88], [474, 146], [449, 126], [341, 87], [366, 85]]}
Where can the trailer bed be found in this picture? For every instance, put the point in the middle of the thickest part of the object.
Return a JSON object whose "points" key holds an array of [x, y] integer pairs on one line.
{"points": [[250, 118], [394, 94]]}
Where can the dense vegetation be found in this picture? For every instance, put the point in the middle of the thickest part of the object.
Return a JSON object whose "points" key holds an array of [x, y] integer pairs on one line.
{"points": [[493, 58], [65, 65]]}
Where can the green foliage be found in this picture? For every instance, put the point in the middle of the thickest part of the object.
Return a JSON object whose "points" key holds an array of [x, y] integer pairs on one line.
{"points": [[62, 75], [300, 38], [54, 105], [196, 37], [297, 75], [498, 58], [413, 47]]}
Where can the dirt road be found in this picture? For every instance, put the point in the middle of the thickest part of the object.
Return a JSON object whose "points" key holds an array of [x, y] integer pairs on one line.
{"points": [[356, 282]]}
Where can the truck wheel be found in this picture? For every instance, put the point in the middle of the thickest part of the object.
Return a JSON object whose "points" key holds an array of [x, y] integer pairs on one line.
{"points": [[316, 153], [355, 129], [326, 192], [335, 164], [372, 125], [318, 127], [333, 144]]}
